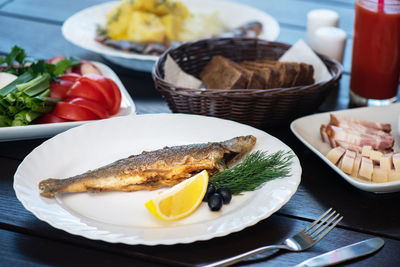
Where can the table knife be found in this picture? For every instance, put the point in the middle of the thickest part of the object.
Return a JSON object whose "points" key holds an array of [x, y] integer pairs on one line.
{"points": [[344, 253]]}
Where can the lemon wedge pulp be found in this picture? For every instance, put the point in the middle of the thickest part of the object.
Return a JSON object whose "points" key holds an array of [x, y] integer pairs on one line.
{"points": [[180, 200]]}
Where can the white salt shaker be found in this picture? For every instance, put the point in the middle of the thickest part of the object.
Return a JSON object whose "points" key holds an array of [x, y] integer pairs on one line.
{"points": [[319, 18], [330, 41]]}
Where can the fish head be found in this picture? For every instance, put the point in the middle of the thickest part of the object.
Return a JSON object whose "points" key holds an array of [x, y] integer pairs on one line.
{"points": [[237, 147]]}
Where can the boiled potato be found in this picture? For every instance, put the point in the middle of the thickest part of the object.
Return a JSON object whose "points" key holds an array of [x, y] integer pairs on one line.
{"points": [[180, 10], [158, 7], [173, 26], [118, 20], [145, 27], [146, 20]]}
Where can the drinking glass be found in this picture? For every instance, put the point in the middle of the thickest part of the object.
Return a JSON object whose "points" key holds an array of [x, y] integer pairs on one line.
{"points": [[375, 69]]}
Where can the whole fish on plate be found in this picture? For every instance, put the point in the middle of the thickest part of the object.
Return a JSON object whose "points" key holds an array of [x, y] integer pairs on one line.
{"points": [[152, 170]]}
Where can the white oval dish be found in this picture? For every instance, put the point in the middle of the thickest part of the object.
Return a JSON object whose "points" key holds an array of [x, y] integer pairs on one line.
{"points": [[307, 130], [122, 216], [80, 28], [50, 129]]}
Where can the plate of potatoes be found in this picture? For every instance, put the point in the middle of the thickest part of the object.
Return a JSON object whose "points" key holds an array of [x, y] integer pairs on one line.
{"points": [[134, 33]]}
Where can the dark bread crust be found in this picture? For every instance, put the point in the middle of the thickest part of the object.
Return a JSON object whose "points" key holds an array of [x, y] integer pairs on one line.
{"points": [[220, 74], [223, 73]]}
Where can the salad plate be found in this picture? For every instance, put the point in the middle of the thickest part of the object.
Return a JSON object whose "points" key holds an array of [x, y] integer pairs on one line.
{"points": [[50, 129], [306, 130], [121, 216], [80, 28]]}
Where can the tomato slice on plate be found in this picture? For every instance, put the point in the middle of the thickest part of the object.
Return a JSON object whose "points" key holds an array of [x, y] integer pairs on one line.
{"points": [[117, 96], [69, 77], [102, 85], [59, 89], [94, 107], [86, 91], [50, 118], [73, 112]]}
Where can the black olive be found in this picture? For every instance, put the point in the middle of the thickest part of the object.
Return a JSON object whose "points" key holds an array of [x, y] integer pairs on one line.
{"points": [[215, 202], [209, 192], [225, 193]]}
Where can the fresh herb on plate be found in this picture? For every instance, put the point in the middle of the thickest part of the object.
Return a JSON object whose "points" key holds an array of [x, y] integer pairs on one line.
{"points": [[28, 96], [255, 169]]}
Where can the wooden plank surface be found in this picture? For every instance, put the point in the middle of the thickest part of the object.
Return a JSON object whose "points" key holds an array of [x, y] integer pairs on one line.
{"points": [[29, 241], [27, 250], [270, 231], [292, 20], [294, 13], [55, 12]]}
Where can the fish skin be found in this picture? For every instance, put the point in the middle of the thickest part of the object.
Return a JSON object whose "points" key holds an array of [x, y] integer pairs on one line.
{"points": [[152, 170]]}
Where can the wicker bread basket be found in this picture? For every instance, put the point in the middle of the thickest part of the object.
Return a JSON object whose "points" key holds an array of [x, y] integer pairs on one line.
{"points": [[256, 107]]}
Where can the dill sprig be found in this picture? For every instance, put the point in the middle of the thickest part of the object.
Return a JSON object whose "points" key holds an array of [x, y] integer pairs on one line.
{"points": [[255, 169]]}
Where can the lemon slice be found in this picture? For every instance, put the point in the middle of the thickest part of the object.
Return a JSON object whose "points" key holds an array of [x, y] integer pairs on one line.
{"points": [[180, 200]]}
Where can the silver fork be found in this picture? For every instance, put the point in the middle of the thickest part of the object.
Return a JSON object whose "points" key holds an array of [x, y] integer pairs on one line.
{"points": [[303, 240]]}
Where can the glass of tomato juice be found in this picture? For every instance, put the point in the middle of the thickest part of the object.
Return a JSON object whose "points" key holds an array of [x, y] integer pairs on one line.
{"points": [[375, 69]]}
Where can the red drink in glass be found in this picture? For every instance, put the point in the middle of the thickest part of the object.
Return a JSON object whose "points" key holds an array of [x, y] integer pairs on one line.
{"points": [[375, 68]]}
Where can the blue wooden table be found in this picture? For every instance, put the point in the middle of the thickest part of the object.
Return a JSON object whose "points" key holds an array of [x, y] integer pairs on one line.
{"points": [[27, 241]]}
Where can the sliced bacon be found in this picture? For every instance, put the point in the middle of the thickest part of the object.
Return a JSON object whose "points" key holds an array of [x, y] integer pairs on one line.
{"points": [[356, 166], [349, 146], [323, 134], [366, 130], [396, 161], [349, 123], [360, 139], [366, 168], [348, 161], [326, 138]]}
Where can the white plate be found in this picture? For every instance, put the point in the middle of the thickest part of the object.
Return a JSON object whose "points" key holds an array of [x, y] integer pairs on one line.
{"points": [[51, 129], [80, 28], [122, 216], [307, 130]]}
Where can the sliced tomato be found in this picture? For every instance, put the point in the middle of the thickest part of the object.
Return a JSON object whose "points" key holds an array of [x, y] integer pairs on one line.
{"points": [[102, 85], [86, 91], [50, 118], [55, 59], [73, 112], [59, 89], [70, 77], [117, 96], [94, 107]]}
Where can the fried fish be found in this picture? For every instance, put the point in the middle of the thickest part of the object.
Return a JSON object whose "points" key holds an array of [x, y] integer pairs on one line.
{"points": [[152, 170]]}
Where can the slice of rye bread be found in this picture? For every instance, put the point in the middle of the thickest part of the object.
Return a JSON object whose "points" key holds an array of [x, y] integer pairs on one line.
{"points": [[289, 73], [220, 74], [269, 75], [270, 72], [264, 74], [303, 77], [255, 81], [276, 71], [306, 76]]}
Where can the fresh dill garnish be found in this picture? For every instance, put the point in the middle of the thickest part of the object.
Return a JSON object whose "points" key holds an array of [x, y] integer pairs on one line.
{"points": [[255, 169], [222, 163]]}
